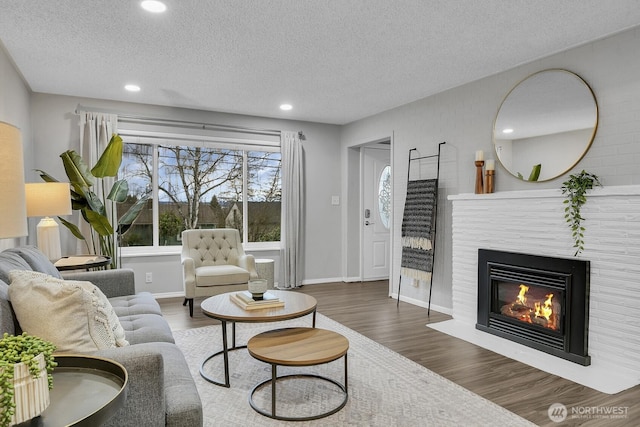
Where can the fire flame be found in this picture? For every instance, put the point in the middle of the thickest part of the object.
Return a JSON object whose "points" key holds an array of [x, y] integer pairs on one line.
{"points": [[521, 295], [544, 310], [540, 313]]}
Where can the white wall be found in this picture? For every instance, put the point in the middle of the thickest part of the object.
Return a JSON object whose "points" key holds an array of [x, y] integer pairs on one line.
{"points": [[464, 116], [55, 129]]}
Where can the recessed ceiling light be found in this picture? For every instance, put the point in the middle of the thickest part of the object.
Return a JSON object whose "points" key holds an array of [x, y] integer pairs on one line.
{"points": [[132, 88], [286, 107], [153, 6], [507, 130]]}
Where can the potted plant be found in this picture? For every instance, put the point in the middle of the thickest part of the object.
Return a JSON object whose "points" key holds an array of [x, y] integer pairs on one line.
{"points": [[26, 364], [98, 207], [575, 189]]}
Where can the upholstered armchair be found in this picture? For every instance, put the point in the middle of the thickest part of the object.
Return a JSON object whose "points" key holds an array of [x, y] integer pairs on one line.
{"points": [[214, 262]]}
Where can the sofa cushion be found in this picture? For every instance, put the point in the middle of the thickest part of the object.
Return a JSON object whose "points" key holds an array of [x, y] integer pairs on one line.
{"points": [[7, 321], [37, 260], [213, 275], [141, 328], [73, 315], [141, 303], [11, 261]]}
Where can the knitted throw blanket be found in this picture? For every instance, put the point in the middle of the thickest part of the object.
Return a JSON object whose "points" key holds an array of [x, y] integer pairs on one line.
{"points": [[417, 229]]}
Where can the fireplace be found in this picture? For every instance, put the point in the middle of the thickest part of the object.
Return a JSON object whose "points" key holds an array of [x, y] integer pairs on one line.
{"points": [[541, 302]]}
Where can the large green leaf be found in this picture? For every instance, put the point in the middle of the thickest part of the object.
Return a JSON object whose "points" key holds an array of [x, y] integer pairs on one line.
{"points": [[100, 223], [109, 162], [119, 191], [95, 204], [73, 228], [535, 172], [78, 172], [126, 220], [45, 176]]}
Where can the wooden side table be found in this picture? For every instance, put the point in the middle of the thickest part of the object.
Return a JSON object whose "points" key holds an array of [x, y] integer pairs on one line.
{"points": [[220, 307], [82, 262], [298, 347]]}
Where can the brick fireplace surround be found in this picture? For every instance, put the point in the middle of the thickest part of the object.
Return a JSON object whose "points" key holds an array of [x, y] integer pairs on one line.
{"points": [[533, 222]]}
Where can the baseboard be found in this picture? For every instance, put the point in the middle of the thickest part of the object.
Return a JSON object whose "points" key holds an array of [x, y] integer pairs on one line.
{"points": [[164, 295], [419, 303], [318, 281]]}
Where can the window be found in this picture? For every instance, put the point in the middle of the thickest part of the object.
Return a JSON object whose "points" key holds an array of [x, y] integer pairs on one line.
{"points": [[201, 185], [384, 196]]}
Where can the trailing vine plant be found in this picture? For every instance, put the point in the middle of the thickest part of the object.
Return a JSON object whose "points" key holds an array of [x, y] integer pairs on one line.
{"points": [[15, 349], [575, 189]]}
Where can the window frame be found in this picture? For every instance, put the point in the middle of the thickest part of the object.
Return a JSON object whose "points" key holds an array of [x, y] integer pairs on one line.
{"points": [[156, 138]]}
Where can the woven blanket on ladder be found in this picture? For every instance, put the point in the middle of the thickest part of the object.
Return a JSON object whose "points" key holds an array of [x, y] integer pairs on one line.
{"points": [[417, 229]]}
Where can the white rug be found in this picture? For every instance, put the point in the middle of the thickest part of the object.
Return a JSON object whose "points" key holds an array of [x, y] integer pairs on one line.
{"points": [[385, 388]]}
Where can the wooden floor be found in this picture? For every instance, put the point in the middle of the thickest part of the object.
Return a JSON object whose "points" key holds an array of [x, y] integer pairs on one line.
{"points": [[366, 308]]}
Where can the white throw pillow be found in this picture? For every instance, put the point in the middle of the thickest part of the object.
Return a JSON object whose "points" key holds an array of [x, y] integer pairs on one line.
{"points": [[74, 315]]}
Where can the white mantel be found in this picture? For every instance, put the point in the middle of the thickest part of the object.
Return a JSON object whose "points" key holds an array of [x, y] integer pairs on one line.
{"points": [[533, 222]]}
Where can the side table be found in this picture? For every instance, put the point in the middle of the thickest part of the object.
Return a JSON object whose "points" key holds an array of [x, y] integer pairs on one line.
{"points": [[87, 391], [82, 262], [265, 270], [298, 347]]}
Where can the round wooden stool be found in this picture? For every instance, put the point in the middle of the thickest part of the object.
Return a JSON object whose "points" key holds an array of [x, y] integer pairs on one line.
{"points": [[298, 347]]}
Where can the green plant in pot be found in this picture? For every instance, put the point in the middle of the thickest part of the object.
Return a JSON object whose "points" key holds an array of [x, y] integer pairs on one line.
{"points": [[575, 189], [97, 206], [19, 353]]}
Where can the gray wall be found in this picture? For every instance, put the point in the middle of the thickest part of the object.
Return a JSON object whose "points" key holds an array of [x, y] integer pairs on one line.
{"points": [[463, 117], [55, 129]]}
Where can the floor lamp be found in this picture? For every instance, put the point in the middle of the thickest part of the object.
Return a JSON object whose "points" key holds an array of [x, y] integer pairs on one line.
{"points": [[45, 199], [13, 212]]}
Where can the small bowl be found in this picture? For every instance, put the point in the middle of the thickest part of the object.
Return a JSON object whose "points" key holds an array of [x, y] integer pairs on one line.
{"points": [[257, 288]]}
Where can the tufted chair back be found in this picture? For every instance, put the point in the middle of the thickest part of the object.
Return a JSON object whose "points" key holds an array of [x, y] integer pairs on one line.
{"points": [[218, 246]]}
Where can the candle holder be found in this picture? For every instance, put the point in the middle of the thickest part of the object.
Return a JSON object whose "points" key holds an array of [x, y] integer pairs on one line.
{"points": [[488, 183], [479, 185]]}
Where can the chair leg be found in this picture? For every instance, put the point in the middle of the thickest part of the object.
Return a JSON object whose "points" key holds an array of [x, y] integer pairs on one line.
{"points": [[190, 300]]}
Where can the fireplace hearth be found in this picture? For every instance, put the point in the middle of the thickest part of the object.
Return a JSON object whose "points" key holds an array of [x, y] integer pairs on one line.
{"points": [[541, 302]]}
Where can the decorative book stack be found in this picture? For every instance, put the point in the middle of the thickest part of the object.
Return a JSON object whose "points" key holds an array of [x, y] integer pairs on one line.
{"points": [[245, 300]]}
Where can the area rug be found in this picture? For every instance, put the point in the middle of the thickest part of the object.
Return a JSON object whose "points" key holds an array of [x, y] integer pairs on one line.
{"points": [[385, 388]]}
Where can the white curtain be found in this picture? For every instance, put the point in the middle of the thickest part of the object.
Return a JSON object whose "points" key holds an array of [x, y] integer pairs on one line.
{"points": [[292, 211], [96, 130]]}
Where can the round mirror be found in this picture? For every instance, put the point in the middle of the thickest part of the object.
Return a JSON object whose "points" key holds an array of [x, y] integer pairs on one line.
{"points": [[545, 125]]}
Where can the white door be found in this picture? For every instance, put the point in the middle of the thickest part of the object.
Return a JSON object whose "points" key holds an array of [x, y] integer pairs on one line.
{"points": [[376, 215]]}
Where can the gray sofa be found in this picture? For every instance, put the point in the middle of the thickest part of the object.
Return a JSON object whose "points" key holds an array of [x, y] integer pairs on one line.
{"points": [[161, 390]]}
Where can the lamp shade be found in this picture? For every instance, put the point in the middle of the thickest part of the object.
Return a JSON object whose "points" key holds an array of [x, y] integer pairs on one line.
{"points": [[48, 199], [13, 211]]}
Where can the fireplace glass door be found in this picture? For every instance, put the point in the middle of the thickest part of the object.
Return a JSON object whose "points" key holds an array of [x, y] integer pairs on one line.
{"points": [[536, 305]]}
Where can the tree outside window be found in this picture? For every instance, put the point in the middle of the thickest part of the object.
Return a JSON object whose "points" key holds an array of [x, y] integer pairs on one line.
{"points": [[205, 187]]}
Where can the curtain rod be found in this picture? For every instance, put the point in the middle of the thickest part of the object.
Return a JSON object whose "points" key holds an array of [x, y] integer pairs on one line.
{"points": [[129, 118]]}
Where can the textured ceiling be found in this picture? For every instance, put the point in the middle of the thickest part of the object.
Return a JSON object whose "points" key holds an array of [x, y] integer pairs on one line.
{"points": [[336, 61]]}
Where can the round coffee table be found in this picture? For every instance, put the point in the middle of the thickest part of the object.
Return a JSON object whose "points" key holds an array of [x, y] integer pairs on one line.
{"points": [[220, 307], [298, 347]]}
